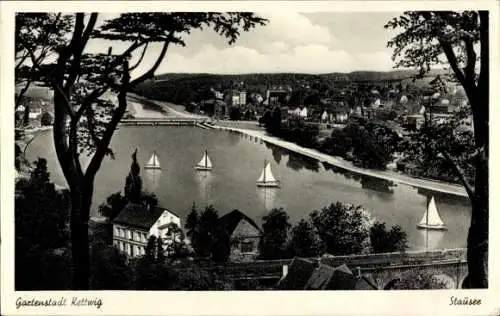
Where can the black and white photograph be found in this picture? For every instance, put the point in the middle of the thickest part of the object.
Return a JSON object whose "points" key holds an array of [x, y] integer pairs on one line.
{"points": [[247, 149]]}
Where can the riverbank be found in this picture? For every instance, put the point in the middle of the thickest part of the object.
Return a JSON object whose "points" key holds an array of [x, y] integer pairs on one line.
{"points": [[432, 185], [259, 133]]}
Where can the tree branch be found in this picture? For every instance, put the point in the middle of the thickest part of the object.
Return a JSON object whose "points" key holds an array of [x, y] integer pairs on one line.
{"points": [[140, 59], [460, 174], [151, 71], [54, 83], [469, 70], [452, 60], [102, 148], [77, 50]]}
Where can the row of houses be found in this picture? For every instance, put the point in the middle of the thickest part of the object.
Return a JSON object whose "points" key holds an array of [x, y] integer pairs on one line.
{"points": [[136, 223]]}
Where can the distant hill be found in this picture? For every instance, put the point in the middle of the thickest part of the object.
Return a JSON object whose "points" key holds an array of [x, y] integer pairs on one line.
{"points": [[368, 76]]}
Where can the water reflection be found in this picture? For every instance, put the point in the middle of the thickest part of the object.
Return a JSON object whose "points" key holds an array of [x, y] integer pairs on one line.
{"points": [[298, 162], [152, 177], [277, 152], [443, 197], [204, 180], [267, 197], [375, 184], [430, 239]]}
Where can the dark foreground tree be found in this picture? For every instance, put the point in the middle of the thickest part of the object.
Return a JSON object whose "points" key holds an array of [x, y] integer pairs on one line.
{"points": [[305, 241], [41, 218], [275, 229], [80, 81], [133, 182], [383, 240], [344, 228], [459, 39]]}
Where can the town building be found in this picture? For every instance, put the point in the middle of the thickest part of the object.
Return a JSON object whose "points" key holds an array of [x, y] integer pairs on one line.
{"points": [[136, 223], [275, 95], [244, 235], [311, 274], [236, 98]]}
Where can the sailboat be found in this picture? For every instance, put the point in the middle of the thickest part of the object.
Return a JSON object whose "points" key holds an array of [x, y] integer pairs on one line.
{"points": [[153, 162], [267, 178], [205, 164], [431, 219]]}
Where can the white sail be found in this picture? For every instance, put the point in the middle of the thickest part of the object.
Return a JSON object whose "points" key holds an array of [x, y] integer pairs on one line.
{"points": [[205, 162], [261, 178], [431, 218], [267, 178], [269, 174], [153, 162]]}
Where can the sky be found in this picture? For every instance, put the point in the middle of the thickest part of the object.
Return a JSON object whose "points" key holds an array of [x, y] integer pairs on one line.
{"points": [[320, 42]]}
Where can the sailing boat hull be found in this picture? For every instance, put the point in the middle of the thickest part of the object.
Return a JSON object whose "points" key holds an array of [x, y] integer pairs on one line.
{"points": [[152, 167], [203, 168], [432, 227], [268, 184]]}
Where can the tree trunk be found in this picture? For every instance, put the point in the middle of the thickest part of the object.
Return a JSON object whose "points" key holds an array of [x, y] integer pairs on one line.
{"points": [[477, 241], [81, 200]]}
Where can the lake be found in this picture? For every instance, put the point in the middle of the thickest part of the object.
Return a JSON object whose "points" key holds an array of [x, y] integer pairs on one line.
{"points": [[307, 184]]}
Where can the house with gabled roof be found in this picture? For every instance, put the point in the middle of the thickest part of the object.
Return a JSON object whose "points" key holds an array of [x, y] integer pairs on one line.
{"points": [[244, 235], [136, 223], [310, 274]]}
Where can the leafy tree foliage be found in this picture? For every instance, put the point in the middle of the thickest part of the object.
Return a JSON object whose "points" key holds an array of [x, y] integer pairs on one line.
{"points": [[38, 37], [41, 218], [459, 40], [177, 248], [235, 114], [46, 119], [305, 241], [160, 250], [344, 228], [151, 248], [192, 222], [418, 280], [80, 80], [383, 240], [208, 238], [113, 206], [273, 243], [109, 268]]}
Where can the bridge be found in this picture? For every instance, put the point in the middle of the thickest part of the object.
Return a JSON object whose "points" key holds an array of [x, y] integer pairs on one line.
{"points": [[380, 270], [176, 121]]}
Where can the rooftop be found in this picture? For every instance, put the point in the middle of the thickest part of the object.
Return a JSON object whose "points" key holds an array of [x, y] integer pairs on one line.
{"points": [[231, 220], [139, 216]]}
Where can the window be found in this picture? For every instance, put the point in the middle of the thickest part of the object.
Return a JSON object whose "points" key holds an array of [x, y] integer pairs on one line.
{"points": [[144, 238], [247, 246], [117, 231], [127, 249], [122, 248]]}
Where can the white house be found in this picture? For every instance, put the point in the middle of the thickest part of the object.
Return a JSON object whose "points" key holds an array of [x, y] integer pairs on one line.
{"points": [[136, 223]]}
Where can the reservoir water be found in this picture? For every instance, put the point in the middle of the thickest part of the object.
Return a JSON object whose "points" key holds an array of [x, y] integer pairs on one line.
{"points": [[307, 184]]}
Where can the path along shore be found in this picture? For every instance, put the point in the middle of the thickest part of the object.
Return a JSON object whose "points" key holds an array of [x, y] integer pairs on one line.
{"points": [[433, 185]]}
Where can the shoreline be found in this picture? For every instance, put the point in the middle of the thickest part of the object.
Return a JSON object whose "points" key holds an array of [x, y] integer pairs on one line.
{"points": [[429, 184], [432, 185]]}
